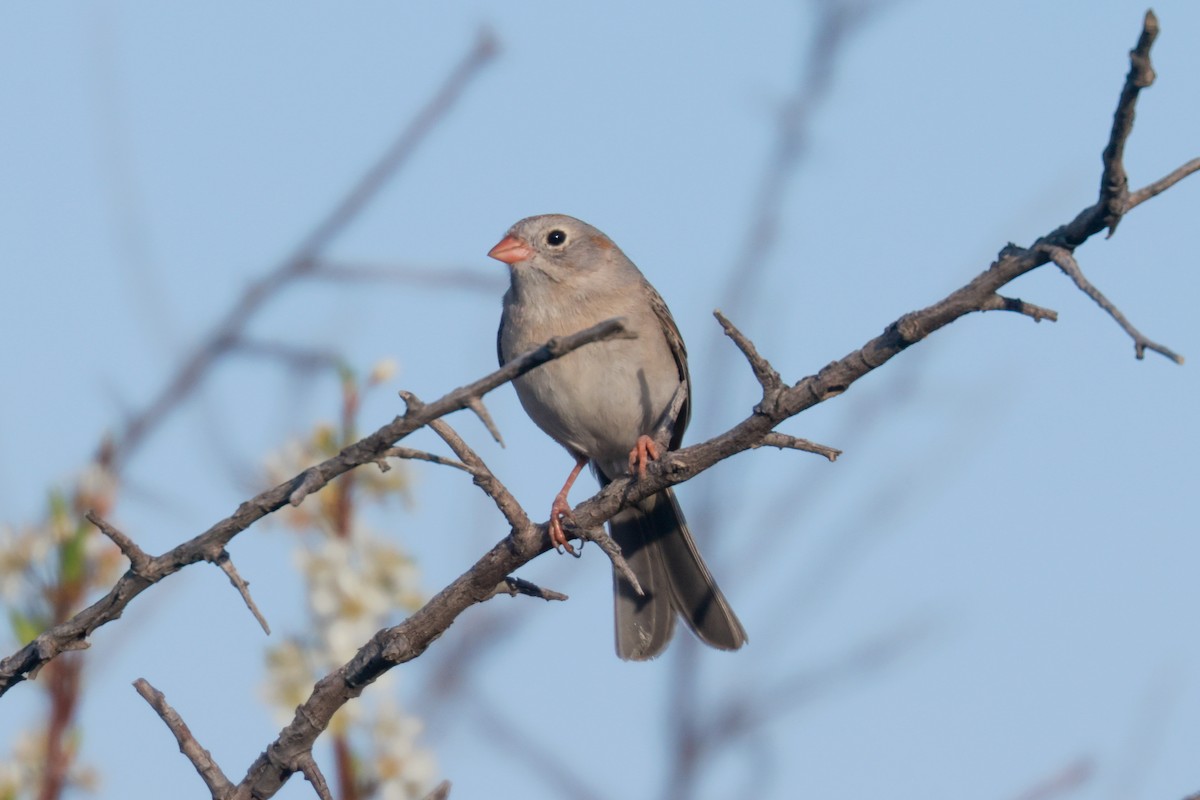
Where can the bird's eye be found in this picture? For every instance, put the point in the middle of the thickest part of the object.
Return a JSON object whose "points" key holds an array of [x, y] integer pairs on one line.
{"points": [[555, 237]]}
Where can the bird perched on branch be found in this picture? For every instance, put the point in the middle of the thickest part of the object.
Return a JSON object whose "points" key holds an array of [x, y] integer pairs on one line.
{"points": [[602, 403]]}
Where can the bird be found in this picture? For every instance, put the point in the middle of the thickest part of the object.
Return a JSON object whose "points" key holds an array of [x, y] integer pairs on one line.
{"points": [[602, 402]]}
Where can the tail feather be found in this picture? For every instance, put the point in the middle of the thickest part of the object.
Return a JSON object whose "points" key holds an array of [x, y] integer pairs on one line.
{"points": [[656, 543]]}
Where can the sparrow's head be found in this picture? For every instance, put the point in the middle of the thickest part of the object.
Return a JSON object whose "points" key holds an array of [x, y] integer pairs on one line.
{"points": [[558, 246]]}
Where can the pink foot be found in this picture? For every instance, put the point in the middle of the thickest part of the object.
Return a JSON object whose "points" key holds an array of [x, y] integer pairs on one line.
{"points": [[560, 509], [642, 453]]}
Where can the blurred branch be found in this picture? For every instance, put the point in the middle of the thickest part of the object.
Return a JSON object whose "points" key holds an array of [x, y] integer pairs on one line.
{"points": [[506, 735], [765, 702], [457, 278], [301, 359], [717, 726], [1066, 780], [302, 261], [837, 21]]}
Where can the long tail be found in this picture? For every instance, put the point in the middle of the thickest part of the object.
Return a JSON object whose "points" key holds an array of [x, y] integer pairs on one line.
{"points": [[655, 540]]}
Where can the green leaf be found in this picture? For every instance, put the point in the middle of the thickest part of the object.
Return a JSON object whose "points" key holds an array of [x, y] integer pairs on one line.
{"points": [[72, 558], [24, 628]]}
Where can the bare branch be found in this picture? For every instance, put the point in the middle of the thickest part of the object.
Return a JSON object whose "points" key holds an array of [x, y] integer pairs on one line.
{"points": [[1067, 263], [410, 454], [218, 785], [484, 478], [512, 510], [312, 773], [514, 586], [226, 564], [609, 545], [785, 442], [1162, 184], [1114, 184], [476, 405], [138, 558], [767, 377], [1015, 304]]}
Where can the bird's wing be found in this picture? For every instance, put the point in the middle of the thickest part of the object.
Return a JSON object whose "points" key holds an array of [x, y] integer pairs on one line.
{"points": [[679, 351]]}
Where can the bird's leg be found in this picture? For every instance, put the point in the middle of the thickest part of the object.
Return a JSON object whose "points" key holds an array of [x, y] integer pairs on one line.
{"points": [[560, 509], [643, 452]]}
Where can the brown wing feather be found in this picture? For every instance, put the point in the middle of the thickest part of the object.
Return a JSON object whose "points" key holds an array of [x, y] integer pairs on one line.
{"points": [[675, 342], [499, 335]]}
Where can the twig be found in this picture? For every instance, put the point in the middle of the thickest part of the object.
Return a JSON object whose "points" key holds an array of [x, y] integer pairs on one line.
{"points": [[476, 405], [410, 454], [766, 375], [312, 773], [1067, 263], [512, 510], [514, 586], [201, 759], [1114, 184], [785, 442], [1015, 304], [138, 558], [1162, 184], [226, 564], [609, 545], [484, 478]]}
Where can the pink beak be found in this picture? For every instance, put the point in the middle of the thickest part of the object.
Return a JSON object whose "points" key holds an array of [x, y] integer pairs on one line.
{"points": [[510, 250]]}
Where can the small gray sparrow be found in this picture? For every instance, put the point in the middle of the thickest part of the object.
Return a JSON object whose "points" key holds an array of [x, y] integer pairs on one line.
{"points": [[601, 403]]}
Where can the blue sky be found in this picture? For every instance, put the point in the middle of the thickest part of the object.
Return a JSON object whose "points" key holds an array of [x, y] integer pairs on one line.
{"points": [[1017, 502]]}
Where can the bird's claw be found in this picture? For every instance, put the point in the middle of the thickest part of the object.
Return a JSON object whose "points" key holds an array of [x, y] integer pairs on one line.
{"points": [[642, 453], [560, 510]]}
